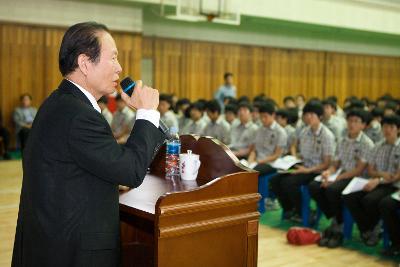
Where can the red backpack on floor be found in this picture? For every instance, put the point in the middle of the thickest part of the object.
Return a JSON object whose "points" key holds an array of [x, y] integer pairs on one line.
{"points": [[302, 236]]}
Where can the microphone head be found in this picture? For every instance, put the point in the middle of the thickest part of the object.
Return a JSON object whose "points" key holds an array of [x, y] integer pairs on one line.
{"points": [[127, 85]]}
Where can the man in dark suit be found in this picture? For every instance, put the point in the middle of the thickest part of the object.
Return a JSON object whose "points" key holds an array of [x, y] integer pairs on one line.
{"points": [[69, 214]]}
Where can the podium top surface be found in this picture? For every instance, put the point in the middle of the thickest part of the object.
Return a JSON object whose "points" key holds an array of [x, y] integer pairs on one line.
{"points": [[216, 161]]}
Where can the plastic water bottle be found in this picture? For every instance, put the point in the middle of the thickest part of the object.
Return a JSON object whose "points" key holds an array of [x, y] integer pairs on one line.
{"points": [[172, 154]]}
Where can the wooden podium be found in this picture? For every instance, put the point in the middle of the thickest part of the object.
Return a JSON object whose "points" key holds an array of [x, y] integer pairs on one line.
{"points": [[211, 222]]}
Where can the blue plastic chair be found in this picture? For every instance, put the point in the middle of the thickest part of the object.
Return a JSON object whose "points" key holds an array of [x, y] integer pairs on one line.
{"points": [[348, 228], [263, 189], [305, 208], [347, 223]]}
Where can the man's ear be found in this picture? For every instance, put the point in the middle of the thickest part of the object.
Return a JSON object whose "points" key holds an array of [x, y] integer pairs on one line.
{"points": [[83, 62]]}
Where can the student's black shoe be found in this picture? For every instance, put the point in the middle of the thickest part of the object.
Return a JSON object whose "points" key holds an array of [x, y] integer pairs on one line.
{"points": [[326, 236], [372, 239], [296, 218], [335, 241], [287, 215], [392, 251]]}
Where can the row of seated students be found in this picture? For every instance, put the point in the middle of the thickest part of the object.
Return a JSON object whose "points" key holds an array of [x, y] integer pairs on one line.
{"points": [[362, 141]]}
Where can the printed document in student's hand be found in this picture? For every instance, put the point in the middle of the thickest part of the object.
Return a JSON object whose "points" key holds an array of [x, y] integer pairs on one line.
{"points": [[331, 178], [396, 195], [247, 164], [285, 163], [357, 184]]}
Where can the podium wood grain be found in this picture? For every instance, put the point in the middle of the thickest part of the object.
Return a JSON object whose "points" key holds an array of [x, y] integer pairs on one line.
{"points": [[212, 221]]}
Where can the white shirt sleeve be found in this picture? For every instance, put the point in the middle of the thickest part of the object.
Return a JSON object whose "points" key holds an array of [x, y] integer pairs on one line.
{"points": [[150, 115]]}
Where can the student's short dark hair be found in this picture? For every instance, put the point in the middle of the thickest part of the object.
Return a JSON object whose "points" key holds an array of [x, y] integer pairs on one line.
{"points": [[293, 115], [197, 105], [288, 98], [314, 106], [267, 107], [245, 105], [259, 98], [301, 96], [284, 113], [81, 38], [25, 95], [360, 113], [183, 101], [231, 108], [103, 100], [391, 120], [243, 98], [356, 103], [386, 97], [391, 105], [213, 106], [329, 102], [227, 74], [167, 98], [377, 112], [332, 98]]}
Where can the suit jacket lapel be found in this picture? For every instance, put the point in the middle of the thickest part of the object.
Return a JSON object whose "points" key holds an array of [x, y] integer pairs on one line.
{"points": [[66, 87]]}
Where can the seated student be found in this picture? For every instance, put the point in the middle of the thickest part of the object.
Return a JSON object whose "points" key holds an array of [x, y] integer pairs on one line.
{"points": [[197, 123], [390, 108], [166, 114], [332, 121], [283, 118], [289, 102], [383, 163], [389, 212], [317, 147], [231, 115], [123, 121], [104, 110], [23, 117], [255, 114], [339, 112], [217, 127], [242, 135], [374, 128], [270, 141], [180, 110], [351, 156]]}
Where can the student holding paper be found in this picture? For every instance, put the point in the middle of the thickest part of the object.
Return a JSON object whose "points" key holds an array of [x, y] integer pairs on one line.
{"points": [[317, 147], [270, 140], [350, 161], [383, 164]]}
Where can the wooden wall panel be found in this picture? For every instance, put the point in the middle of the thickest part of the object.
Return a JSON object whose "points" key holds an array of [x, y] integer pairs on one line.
{"points": [[195, 69], [29, 62], [358, 75]]}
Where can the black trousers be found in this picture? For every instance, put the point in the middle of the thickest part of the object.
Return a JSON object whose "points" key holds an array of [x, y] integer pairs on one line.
{"points": [[364, 206], [287, 189], [23, 137], [264, 169], [389, 210], [5, 134], [329, 199]]}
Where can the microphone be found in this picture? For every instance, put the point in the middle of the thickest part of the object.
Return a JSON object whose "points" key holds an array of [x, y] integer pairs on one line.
{"points": [[128, 85]]}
